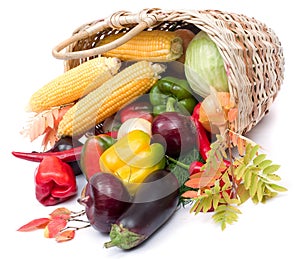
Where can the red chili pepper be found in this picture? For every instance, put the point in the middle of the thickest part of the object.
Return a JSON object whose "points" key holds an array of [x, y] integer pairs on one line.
{"points": [[55, 181], [202, 141], [69, 155]]}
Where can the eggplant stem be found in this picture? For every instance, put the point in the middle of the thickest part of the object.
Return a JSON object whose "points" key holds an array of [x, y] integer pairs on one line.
{"points": [[123, 238]]}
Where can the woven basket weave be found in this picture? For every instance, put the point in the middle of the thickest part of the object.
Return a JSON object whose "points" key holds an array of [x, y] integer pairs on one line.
{"points": [[251, 51]]}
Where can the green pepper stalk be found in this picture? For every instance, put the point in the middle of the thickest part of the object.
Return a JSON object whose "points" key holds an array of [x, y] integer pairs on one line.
{"points": [[193, 168], [171, 94]]}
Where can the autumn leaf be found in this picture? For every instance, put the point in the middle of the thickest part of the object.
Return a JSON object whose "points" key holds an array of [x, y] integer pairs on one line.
{"points": [[54, 227], [190, 194], [34, 225], [65, 236], [193, 183], [206, 178], [62, 213], [232, 114]]}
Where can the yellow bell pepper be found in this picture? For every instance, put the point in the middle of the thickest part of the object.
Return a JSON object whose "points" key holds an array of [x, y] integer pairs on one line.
{"points": [[132, 158]]}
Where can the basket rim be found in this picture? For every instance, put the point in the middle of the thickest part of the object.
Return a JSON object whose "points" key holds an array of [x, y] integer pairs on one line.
{"points": [[251, 51]]}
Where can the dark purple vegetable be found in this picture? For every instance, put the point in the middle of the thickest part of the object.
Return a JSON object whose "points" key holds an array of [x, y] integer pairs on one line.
{"points": [[65, 143], [177, 131], [154, 203], [105, 199]]}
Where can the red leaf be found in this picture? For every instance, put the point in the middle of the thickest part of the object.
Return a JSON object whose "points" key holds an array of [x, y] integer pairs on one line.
{"points": [[61, 213], [65, 236], [54, 226], [34, 225]]}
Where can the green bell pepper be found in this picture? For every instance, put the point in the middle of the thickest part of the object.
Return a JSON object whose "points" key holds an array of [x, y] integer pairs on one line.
{"points": [[171, 94]]}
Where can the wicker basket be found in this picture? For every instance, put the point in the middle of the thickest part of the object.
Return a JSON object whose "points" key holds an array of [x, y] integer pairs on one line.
{"points": [[251, 51]]}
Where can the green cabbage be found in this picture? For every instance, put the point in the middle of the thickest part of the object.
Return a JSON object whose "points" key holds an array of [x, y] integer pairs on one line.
{"points": [[204, 66]]}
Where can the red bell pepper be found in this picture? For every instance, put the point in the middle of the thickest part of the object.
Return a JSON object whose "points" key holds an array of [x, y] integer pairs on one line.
{"points": [[55, 181]]}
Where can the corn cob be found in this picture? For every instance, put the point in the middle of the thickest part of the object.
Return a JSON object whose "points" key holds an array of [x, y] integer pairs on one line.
{"points": [[74, 84], [156, 46], [106, 100]]}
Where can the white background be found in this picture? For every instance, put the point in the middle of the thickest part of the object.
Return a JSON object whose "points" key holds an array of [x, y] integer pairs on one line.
{"points": [[29, 31]]}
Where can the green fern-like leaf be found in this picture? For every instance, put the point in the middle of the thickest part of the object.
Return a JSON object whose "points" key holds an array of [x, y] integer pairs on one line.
{"points": [[251, 176], [258, 159], [257, 175], [226, 214]]}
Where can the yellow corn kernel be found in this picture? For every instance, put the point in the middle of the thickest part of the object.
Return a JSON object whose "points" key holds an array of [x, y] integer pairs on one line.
{"points": [[106, 100], [74, 84], [156, 46]]}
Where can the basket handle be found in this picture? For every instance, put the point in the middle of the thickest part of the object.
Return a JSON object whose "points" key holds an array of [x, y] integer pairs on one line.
{"points": [[144, 19]]}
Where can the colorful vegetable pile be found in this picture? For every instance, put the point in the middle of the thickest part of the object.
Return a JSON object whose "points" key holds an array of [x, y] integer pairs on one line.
{"points": [[148, 140]]}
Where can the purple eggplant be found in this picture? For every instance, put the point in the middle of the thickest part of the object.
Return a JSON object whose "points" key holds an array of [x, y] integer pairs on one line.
{"points": [[154, 203], [176, 131], [105, 199]]}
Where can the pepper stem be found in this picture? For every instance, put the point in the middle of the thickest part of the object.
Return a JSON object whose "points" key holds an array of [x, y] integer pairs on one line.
{"points": [[184, 166], [123, 238], [170, 105]]}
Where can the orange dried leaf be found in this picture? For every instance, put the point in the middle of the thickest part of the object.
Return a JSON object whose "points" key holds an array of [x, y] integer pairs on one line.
{"points": [[54, 227], [206, 178], [234, 138], [232, 114], [241, 145], [216, 109], [62, 213], [34, 225], [193, 183], [190, 194], [196, 175], [65, 236]]}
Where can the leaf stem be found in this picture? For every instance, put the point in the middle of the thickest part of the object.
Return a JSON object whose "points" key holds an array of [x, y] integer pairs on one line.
{"points": [[75, 228], [77, 214], [79, 220]]}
